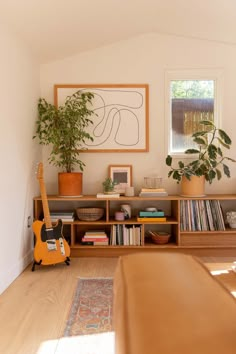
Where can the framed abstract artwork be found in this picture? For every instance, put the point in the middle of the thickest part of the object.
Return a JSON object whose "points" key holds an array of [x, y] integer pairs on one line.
{"points": [[122, 174], [121, 116]]}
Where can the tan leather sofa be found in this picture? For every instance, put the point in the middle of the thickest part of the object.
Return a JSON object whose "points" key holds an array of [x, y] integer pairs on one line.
{"points": [[167, 303]]}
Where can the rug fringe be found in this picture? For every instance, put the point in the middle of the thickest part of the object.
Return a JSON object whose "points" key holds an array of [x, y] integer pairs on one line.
{"points": [[87, 278]]}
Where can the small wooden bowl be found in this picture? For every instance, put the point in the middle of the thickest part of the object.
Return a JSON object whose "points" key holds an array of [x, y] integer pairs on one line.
{"points": [[159, 237]]}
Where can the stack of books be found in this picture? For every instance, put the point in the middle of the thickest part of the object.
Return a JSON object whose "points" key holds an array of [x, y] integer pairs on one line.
{"points": [[156, 216], [65, 216], [95, 238], [153, 192]]}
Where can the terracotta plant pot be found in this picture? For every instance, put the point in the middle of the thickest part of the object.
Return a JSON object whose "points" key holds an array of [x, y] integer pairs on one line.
{"points": [[195, 187], [70, 184]]}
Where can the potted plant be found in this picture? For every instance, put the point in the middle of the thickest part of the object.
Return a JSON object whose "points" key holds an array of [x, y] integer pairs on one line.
{"points": [[108, 185], [64, 129], [209, 161]]}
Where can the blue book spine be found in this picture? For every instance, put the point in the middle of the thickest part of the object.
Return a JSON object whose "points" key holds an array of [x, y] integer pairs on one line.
{"points": [[151, 213]]}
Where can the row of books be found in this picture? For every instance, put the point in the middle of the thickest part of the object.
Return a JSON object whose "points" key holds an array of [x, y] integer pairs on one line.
{"points": [[153, 192], [95, 238], [201, 215], [126, 235]]}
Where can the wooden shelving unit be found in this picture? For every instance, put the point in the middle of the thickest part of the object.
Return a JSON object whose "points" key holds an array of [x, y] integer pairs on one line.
{"points": [[194, 242]]}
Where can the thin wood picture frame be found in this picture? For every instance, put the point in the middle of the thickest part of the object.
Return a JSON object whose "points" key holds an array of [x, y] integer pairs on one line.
{"points": [[121, 119], [121, 174]]}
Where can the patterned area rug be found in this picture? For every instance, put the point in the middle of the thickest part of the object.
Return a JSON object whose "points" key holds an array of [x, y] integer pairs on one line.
{"points": [[91, 309]]}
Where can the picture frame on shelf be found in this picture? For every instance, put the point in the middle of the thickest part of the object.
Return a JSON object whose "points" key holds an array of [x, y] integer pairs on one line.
{"points": [[122, 174], [120, 119]]}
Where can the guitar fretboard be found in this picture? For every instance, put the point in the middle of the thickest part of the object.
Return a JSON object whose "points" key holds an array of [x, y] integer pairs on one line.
{"points": [[46, 212]]}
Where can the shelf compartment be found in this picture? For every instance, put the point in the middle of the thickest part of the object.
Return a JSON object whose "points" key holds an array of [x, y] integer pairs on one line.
{"points": [[221, 239], [81, 227]]}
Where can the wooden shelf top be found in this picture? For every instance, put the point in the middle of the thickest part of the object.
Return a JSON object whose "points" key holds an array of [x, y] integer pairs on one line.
{"points": [[124, 198]]}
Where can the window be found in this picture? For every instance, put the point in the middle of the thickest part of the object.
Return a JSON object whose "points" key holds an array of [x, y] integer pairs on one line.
{"points": [[191, 97]]}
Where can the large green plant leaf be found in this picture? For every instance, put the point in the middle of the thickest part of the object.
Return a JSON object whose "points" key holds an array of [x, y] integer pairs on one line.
{"points": [[212, 151], [224, 136], [192, 151], [168, 160], [226, 170], [200, 141], [207, 123]]}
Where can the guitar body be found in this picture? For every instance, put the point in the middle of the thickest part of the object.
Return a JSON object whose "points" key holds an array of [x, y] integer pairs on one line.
{"points": [[50, 245], [42, 254]]}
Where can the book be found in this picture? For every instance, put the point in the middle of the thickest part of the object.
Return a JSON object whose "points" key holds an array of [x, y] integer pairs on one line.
{"points": [[151, 213], [95, 243], [102, 239], [153, 190], [113, 195], [62, 219], [153, 194], [62, 212], [95, 236], [103, 243], [97, 232], [156, 219]]}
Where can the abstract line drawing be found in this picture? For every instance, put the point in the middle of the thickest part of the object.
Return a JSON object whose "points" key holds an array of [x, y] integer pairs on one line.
{"points": [[120, 122]]}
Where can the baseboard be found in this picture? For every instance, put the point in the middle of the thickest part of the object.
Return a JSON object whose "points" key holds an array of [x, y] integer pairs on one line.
{"points": [[8, 277]]}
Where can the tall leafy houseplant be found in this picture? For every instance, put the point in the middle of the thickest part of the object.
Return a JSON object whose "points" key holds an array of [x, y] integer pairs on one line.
{"points": [[64, 129], [208, 161]]}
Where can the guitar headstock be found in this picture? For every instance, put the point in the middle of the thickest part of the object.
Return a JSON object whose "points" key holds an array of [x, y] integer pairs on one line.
{"points": [[40, 171]]}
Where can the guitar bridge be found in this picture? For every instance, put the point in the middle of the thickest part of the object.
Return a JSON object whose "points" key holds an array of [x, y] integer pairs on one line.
{"points": [[51, 245]]}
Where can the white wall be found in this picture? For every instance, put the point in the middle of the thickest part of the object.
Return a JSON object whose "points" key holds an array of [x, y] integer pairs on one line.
{"points": [[19, 92], [144, 59]]}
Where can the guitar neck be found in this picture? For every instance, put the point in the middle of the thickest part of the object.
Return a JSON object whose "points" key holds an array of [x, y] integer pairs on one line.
{"points": [[46, 212]]}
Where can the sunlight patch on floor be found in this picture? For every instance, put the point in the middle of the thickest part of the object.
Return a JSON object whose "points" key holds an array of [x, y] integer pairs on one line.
{"points": [[48, 347], [219, 271], [101, 343]]}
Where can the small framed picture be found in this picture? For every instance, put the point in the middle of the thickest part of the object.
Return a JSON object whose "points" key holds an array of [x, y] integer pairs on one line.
{"points": [[122, 174]]}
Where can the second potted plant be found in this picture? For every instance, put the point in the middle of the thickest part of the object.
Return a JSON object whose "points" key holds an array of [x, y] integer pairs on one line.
{"points": [[108, 185], [209, 161], [63, 128]]}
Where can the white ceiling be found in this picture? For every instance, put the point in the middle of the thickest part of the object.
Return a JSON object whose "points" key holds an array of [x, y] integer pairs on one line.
{"points": [[59, 28]]}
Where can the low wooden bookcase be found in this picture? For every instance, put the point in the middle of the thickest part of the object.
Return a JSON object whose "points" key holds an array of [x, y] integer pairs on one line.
{"points": [[217, 242]]}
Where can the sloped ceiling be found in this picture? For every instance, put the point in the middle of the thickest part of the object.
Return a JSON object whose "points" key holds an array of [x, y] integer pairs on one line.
{"points": [[59, 28]]}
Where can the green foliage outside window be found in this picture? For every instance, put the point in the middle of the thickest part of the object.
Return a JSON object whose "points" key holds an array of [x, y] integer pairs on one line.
{"points": [[192, 89]]}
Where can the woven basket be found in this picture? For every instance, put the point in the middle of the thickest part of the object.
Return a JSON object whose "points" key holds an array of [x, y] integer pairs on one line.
{"points": [[160, 237], [89, 214]]}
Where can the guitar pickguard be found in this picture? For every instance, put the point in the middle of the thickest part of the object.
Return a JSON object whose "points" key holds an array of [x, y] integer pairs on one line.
{"points": [[54, 233]]}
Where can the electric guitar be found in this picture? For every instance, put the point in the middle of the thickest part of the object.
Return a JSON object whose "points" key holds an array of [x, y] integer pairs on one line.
{"points": [[50, 245]]}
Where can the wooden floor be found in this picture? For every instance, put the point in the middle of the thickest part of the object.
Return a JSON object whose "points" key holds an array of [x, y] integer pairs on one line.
{"points": [[33, 310]]}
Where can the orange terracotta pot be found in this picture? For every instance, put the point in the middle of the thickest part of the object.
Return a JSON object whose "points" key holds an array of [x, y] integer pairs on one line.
{"points": [[70, 184], [195, 187]]}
